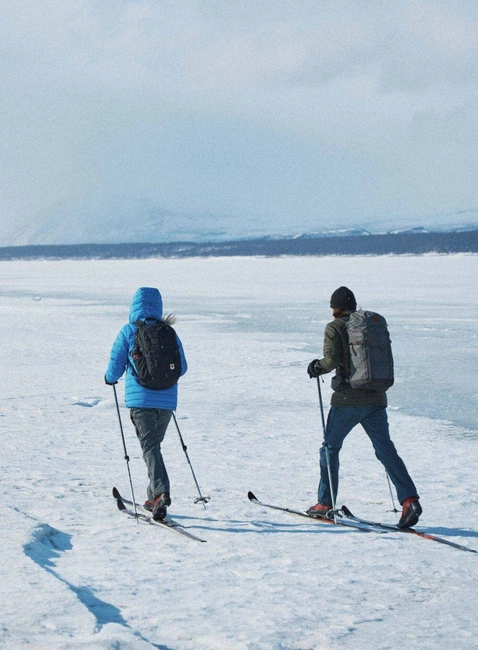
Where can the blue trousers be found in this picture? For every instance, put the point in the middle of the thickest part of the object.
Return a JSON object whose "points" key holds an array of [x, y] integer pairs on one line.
{"points": [[151, 425], [340, 422]]}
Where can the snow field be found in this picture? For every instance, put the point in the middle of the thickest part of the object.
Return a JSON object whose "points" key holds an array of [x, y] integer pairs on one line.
{"points": [[75, 573]]}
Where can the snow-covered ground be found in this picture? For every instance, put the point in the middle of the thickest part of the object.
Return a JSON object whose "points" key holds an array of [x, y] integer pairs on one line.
{"points": [[75, 573]]}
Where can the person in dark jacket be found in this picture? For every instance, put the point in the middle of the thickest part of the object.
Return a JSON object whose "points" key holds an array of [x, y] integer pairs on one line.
{"points": [[349, 407], [150, 410]]}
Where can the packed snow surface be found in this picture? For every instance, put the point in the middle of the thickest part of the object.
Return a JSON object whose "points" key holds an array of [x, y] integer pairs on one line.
{"points": [[76, 573]]}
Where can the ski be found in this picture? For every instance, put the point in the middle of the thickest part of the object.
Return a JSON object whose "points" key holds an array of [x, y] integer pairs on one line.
{"points": [[144, 515], [298, 513], [412, 531], [139, 507]]}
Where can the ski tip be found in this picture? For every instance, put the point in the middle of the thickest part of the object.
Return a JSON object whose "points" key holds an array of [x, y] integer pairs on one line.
{"points": [[346, 511], [120, 504], [251, 496], [116, 493]]}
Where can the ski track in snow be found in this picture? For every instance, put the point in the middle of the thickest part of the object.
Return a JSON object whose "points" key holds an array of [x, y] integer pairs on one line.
{"points": [[76, 574]]}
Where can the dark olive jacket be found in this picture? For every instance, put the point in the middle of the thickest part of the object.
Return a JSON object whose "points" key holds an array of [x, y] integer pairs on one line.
{"points": [[336, 357]]}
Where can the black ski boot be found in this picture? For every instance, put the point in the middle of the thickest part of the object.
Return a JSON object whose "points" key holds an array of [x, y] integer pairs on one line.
{"points": [[161, 502], [410, 513]]}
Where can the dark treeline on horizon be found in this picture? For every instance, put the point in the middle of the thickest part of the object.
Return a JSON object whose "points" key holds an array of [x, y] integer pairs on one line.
{"points": [[389, 244]]}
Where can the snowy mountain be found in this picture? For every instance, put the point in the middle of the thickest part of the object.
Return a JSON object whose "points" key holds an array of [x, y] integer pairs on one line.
{"points": [[126, 222], [131, 221], [339, 232]]}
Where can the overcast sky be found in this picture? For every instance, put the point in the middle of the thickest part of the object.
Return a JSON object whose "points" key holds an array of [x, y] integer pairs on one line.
{"points": [[322, 112]]}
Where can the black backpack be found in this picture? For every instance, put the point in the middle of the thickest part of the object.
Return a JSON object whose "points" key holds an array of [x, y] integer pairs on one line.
{"points": [[156, 356]]}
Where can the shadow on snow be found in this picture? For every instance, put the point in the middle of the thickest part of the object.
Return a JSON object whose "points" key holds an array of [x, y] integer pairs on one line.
{"points": [[45, 548]]}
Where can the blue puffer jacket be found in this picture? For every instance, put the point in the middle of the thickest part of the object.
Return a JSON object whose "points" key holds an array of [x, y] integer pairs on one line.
{"points": [[147, 303]]}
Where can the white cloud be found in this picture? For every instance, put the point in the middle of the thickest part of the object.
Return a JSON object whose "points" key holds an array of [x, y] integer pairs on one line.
{"points": [[292, 108], [443, 29]]}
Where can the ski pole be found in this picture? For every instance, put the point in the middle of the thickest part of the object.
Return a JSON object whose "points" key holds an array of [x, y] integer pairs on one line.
{"points": [[126, 457], [201, 499], [329, 472], [391, 492], [326, 447], [321, 405]]}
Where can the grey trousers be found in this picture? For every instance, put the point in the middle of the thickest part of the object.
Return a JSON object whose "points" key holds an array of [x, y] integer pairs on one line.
{"points": [[151, 425]]}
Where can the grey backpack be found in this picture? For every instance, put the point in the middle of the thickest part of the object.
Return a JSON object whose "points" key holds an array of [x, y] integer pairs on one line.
{"points": [[371, 360]]}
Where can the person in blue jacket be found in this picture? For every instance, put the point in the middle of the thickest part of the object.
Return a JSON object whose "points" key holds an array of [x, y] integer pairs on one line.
{"points": [[150, 410]]}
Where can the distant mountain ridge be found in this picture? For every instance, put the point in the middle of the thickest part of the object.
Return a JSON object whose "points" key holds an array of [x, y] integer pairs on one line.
{"points": [[415, 243], [141, 222]]}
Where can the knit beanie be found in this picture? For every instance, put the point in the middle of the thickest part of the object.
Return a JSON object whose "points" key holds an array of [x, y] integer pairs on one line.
{"points": [[343, 298]]}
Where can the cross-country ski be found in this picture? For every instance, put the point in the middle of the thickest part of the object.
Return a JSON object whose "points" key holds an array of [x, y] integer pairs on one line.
{"points": [[145, 516], [320, 520], [411, 531], [361, 524]]}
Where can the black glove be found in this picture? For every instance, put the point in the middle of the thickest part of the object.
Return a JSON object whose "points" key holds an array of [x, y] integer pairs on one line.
{"points": [[110, 383], [313, 369]]}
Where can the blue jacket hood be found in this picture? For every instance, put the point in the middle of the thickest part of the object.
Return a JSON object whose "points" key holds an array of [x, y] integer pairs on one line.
{"points": [[146, 303]]}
